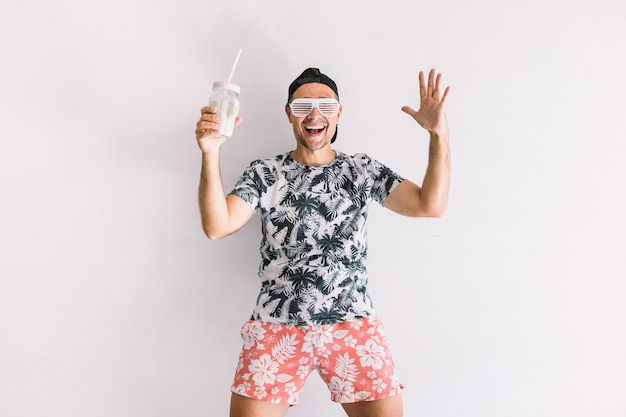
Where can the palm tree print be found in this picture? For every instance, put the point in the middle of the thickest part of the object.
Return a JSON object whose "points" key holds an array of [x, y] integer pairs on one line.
{"points": [[314, 240]]}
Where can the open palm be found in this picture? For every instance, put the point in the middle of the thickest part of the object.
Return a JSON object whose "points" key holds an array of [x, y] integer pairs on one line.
{"points": [[431, 115]]}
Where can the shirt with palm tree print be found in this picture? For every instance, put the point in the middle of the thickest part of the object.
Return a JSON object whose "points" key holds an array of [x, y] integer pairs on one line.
{"points": [[314, 240]]}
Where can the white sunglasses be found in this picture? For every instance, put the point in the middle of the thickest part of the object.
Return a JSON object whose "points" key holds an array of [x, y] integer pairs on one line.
{"points": [[302, 107]]}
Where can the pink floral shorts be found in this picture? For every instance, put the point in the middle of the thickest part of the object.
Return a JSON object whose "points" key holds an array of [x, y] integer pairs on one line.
{"points": [[351, 357]]}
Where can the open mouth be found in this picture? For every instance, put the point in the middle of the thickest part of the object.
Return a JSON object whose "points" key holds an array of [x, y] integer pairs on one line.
{"points": [[314, 130]]}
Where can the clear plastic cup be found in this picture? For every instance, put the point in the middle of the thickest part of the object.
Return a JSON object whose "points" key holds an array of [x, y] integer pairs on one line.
{"points": [[225, 96]]}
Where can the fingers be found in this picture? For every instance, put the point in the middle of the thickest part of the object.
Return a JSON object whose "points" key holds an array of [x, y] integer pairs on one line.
{"points": [[437, 84], [432, 89], [427, 90], [445, 96], [431, 84], [422, 85], [209, 121], [409, 110]]}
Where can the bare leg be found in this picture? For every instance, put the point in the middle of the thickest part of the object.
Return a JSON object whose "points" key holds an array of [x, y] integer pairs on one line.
{"points": [[241, 406], [388, 407]]}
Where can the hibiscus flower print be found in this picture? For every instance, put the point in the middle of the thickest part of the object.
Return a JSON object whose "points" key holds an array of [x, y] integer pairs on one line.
{"points": [[291, 388], [350, 341], [251, 332], [303, 371], [316, 338], [378, 385], [263, 370], [240, 389], [371, 354], [260, 392], [341, 391]]}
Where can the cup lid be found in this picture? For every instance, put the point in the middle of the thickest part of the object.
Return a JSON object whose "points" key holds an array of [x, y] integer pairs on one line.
{"points": [[226, 86]]}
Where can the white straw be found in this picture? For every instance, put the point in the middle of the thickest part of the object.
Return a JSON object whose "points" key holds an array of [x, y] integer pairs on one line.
{"points": [[232, 71]]}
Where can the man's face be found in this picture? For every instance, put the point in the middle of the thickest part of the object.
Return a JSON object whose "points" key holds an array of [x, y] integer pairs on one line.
{"points": [[315, 130]]}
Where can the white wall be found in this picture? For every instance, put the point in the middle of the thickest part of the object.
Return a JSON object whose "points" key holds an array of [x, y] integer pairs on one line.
{"points": [[112, 303]]}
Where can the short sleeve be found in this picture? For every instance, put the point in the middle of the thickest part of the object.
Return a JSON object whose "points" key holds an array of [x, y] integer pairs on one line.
{"points": [[385, 180], [247, 186], [255, 181]]}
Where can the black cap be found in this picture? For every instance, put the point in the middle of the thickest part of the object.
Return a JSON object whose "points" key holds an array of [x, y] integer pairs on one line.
{"points": [[313, 75]]}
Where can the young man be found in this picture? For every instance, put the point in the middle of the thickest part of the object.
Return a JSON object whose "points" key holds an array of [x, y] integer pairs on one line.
{"points": [[313, 310]]}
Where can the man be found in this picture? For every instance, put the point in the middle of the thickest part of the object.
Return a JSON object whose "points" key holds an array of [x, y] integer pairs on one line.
{"points": [[313, 310]]}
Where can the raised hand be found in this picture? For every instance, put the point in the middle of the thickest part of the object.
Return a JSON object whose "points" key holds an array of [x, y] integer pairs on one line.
{"points": [[431, 115], [208, 127]]}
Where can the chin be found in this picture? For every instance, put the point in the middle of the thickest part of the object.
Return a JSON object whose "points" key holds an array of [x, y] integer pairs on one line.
{"points": [[315, 146]]}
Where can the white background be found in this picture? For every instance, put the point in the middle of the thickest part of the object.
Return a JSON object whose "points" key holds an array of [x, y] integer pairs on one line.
{"points": [[112, 302]]}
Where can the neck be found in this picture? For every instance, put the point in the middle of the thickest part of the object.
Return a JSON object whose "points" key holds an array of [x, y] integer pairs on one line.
{"points": [[310, 157]]}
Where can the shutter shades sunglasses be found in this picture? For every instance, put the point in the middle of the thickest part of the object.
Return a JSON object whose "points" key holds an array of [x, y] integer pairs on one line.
{"points": [[302, 107]]}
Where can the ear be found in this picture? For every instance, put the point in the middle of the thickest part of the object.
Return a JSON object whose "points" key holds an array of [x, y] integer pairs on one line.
{"points": [[288, 112]]}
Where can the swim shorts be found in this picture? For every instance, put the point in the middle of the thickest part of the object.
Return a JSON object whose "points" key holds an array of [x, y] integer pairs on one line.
{"points": [[351, 357]]}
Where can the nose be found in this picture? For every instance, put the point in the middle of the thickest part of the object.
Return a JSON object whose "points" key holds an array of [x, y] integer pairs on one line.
{"points": [[315, 112]]}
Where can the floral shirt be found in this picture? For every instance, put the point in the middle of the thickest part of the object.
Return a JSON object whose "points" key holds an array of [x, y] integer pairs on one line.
{"points": [[314, 243]]}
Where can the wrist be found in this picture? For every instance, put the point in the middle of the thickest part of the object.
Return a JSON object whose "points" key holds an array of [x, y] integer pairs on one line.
{"points": [[211, 146], [210, 153], [440, 136]]}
